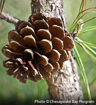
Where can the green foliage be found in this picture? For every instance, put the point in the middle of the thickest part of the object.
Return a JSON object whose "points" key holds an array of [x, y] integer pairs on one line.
{"points": [[82, 70], [89, 48], [88, 29]]}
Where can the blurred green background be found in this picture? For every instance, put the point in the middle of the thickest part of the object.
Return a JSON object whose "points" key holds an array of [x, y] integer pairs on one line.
{"points": [[11, 89]]}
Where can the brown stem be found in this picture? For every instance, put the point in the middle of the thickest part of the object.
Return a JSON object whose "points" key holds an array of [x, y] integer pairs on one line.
{"points": [[8, 18]]}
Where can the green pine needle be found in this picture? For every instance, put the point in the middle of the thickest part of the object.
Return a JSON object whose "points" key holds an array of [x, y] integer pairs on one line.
{"points": [[87, 47], [83, 72], [91, 45], [88, 29], [77, 18]]}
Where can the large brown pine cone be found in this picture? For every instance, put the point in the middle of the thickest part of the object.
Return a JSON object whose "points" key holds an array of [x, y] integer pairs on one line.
{"points": [[37, 48]]}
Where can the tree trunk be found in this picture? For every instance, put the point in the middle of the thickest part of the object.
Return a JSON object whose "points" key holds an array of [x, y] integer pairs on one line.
{"points": [[64, 84]]}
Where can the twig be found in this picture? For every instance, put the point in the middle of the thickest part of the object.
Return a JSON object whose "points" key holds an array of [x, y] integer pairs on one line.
{"points": [[8, 18]]}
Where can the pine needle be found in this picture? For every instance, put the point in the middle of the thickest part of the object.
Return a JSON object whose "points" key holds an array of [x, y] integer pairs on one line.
{"points": [[83, 73], [90, 52], [2, 2], [91, 45], [89, 20], [81, 14], [82, 5], [88, 29], [87, 9]]}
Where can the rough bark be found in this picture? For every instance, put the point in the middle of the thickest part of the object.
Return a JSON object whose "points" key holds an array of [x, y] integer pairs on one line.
{"points": [[63, 85]]}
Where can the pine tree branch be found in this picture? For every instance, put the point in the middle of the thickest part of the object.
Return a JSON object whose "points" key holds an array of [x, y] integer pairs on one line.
{"points": [[8, 18]]}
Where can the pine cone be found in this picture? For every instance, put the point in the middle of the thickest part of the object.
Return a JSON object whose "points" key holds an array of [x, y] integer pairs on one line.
{"points": [[37, 48]]}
